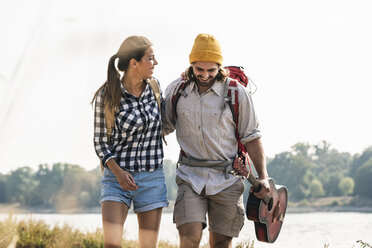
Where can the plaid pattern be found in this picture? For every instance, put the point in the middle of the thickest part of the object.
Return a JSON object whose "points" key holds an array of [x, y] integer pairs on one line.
{"points": [[136, 139]]}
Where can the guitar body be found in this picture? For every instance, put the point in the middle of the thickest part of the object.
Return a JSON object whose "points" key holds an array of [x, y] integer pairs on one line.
{"points": [[268, 217]]}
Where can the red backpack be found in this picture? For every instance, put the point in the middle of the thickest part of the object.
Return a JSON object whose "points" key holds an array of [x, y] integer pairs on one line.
{"points": [[236, 75]]}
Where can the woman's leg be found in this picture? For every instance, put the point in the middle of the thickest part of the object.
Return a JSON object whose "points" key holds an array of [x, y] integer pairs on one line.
{"points": [[113, 218], [149, 224]]}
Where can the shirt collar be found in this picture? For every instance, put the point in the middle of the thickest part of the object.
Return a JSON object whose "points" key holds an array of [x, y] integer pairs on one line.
{"points": [[217, 87], [145, 92]]}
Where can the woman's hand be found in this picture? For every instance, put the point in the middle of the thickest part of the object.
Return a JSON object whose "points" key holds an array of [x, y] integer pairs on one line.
{"points": [[124, 178]]}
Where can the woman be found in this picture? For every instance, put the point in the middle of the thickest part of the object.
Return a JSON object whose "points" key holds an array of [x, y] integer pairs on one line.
{"points": [[132, 155]]}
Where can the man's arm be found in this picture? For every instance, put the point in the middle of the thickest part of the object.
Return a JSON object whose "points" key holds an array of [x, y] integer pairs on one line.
{"points": [[167, 117], [256, 153]]}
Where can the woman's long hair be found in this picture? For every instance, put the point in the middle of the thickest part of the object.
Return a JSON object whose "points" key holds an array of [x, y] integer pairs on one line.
{"points": [[111, 88]]}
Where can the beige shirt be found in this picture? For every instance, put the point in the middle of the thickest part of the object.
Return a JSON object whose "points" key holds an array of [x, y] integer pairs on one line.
{"points": [[205, 130]]}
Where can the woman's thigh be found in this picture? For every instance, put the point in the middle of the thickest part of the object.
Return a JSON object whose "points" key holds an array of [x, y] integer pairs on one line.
{"points": [[114, 215]]}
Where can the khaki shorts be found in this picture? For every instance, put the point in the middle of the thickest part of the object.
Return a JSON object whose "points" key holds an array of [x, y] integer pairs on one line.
{"points": [[225, 209]]}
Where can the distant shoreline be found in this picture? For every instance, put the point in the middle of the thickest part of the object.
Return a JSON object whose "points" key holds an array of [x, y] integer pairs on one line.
{"points": [[15, 209], [311, 209]]}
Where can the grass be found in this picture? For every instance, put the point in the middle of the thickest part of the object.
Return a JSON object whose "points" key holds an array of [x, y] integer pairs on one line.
{"points": [[36, 233], [32, 233]]}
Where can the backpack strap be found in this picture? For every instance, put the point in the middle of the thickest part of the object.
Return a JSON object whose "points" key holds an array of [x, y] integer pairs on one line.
{"points": [[232, 100], [156, 90], [110, 122], [180, 90]]}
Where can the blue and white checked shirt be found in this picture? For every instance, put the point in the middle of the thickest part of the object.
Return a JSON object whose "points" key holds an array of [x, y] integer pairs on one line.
{"points": [[136, 139]]}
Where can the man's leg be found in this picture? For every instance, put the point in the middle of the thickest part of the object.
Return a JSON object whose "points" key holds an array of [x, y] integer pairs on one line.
{"points": [[190, 234], [149, 224], [219, 241], [113, 218], [226, 215], [190, 211]]}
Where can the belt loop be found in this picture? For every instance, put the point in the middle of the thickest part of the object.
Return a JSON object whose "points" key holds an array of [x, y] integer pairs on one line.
{"points": [[179, 160], [226, 173]]}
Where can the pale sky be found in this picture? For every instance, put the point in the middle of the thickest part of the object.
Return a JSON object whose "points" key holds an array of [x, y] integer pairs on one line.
{"points": [[311, 62]]}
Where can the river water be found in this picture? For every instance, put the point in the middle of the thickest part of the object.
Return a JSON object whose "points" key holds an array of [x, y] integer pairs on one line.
{"points": [[305, 230]]}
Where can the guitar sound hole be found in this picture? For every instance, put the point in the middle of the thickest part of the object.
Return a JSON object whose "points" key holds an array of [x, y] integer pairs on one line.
{"points": [[270, 204]]}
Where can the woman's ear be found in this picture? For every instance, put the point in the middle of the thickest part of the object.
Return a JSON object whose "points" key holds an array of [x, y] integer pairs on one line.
{"points": [[133, 63]]}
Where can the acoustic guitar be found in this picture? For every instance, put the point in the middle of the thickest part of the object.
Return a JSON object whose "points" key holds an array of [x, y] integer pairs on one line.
{"points": [[267, 213]]}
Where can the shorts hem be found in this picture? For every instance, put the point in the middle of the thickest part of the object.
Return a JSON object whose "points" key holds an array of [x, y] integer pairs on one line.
{"points": [[152, 206], [180, 223], [224, 232], [114, 199]]}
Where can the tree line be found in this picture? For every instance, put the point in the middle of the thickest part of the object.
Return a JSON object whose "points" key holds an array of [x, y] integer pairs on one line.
{"points": [[308, 171]]}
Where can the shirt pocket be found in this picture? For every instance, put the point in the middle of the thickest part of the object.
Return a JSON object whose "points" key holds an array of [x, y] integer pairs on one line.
{"points": [[185, 122], [220, 122], [128, 122]]}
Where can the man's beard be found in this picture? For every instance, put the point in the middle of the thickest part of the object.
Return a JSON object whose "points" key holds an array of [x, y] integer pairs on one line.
{"points": [[205, 84]]}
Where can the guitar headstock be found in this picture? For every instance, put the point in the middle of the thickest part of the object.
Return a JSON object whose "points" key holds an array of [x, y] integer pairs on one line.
{"points": [[240, 164]]}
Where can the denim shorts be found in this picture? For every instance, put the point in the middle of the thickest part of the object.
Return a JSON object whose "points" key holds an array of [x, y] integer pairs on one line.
{"points": [[151, 193]]}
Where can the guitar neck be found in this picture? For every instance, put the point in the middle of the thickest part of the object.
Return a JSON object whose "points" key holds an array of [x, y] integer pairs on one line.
{"points": [[257, 187], [253, 181], [243, 171]]}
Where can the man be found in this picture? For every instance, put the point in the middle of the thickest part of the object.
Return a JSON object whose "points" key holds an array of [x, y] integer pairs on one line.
{"points": [[205, 131]]}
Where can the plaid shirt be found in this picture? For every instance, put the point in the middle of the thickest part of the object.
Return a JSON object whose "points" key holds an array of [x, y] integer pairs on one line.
{"points": [[136, 139]]}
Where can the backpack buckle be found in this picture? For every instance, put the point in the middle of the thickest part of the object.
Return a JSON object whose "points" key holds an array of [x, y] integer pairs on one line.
{"points": [[182, 92]]}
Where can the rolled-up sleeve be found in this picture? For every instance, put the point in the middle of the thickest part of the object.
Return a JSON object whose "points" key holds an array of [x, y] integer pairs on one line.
{"points": [[248, 121], [100, 138], [167, 115]]}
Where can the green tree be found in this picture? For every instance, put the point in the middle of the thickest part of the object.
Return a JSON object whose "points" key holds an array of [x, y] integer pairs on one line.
{"points": [[3, 188], [316, 188], [330, 180], [76, 181], [170, 178], [331, 167], [363, 182], [301, 149], [20, 186], [360, 160], [321, 148], [50, 182], [293, 171], [95, 193], [346, 185]]}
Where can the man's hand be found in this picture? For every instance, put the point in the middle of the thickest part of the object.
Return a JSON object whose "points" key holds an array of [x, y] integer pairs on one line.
{"points": [[264, 188]]}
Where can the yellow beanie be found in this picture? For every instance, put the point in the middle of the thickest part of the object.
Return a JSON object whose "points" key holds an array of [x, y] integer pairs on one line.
{"points": [[206, 48]]}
